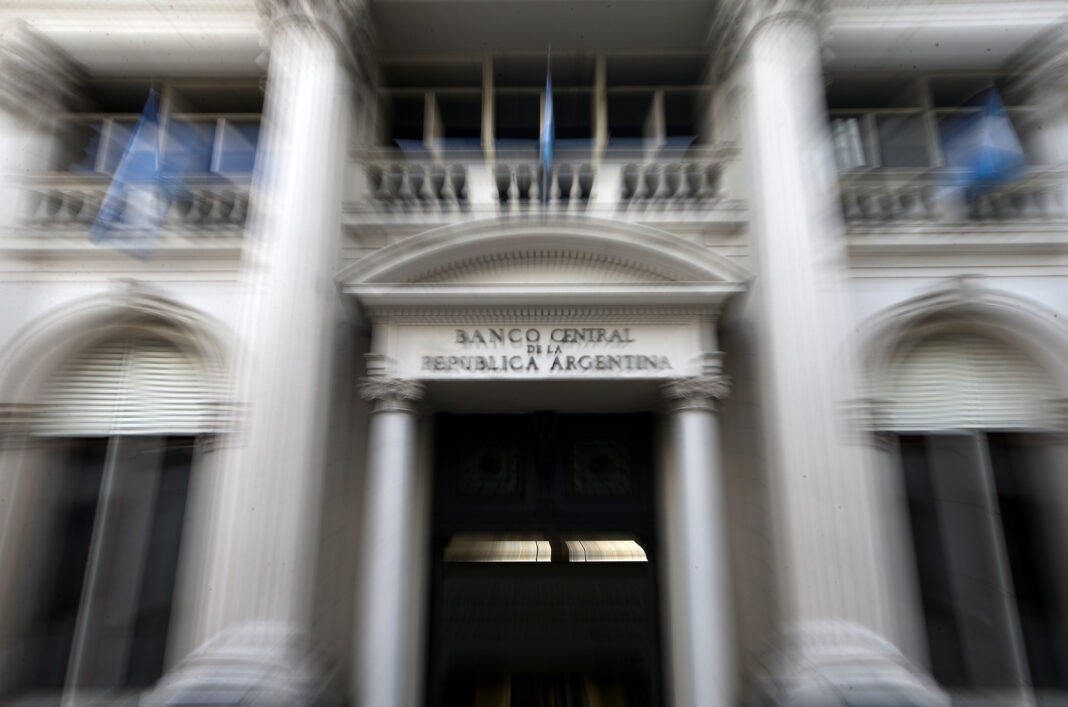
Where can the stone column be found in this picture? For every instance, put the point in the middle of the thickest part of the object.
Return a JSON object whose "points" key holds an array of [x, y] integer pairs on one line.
{"points": [[255, 607], [1041, 79], [700, 665], [388, 550], [37, 82], [832, 578]]}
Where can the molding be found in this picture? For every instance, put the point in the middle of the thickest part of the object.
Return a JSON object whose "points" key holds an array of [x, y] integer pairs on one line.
{"points": [[36, 77], [541, 260], [552, 295], [649, 248], [967, 303], [35, 352], [534, 315]]}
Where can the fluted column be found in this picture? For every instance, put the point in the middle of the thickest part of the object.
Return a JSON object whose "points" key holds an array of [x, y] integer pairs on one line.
{"points": [[256, 601], [37, 82], [1041, 78], [388, 551], [832, 578], [700, 637]]}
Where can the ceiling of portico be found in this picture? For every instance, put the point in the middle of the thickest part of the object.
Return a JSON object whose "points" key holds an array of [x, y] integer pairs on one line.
{"points": [[934, 35], [216, 37]]}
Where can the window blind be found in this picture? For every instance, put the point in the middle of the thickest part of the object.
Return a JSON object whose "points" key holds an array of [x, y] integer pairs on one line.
{"points": [[952, 381], [129, 387]]}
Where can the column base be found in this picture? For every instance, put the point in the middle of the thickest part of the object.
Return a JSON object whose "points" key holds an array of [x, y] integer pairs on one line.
{"points": [[841, 664], [252, 665]]}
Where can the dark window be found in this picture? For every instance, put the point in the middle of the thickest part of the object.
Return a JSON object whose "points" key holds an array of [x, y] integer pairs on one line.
{"points": [[984, 510], [105, 599]]}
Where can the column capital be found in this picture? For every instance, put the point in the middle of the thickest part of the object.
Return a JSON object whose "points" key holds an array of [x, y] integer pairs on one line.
{"points": [[735, 21], [392, 394], [346, 23], [1043, 67], [36, 76], [697, 392]]}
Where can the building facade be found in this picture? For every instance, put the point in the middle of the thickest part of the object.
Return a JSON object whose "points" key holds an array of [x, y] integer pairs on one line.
{"points": [[747, 396]]}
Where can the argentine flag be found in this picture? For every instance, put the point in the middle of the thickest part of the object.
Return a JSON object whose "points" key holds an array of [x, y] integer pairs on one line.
{"points": [[982, 148], [145, 183], [548, 134]]}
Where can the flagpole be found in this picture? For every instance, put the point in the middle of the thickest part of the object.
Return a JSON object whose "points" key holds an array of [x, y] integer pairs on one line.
{"points": [[548, 132]]}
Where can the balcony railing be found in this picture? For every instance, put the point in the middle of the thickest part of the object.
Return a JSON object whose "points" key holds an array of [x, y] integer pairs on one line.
{"points": [[928, 196], [395, 182], [72, 200]]}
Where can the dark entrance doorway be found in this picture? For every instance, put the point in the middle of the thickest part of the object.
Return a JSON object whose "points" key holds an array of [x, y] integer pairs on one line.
{"points": [[544, 584]]}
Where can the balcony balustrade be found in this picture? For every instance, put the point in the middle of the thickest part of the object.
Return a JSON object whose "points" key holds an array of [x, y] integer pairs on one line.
{"points": [[399, 183], [911, 196], [71, 201]]}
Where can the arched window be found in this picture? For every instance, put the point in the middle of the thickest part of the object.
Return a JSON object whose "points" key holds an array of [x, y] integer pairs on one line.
{"points": [[121, 423], [986, 495]]}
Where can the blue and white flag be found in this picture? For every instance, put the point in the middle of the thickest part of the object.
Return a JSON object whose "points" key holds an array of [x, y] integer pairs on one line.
{"points": [[982, 148], [145, 183], [548, 134]]}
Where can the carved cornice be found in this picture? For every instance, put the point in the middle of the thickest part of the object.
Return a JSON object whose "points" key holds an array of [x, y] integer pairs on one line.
{"points": [[347, 23], [36, 76], [391, 394], [697, 392]]}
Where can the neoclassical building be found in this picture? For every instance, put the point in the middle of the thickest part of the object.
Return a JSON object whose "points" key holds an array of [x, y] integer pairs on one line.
{"points": [[746, 403]]}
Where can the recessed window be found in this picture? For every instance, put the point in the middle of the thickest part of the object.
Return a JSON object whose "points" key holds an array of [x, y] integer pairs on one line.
{"points": [[985, 498]]}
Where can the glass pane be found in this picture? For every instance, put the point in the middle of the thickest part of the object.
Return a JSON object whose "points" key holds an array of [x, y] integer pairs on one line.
{"points": [[849, 150], [237, 153], [117, 136], [189, 147], [77, 147], [902, 142]]}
